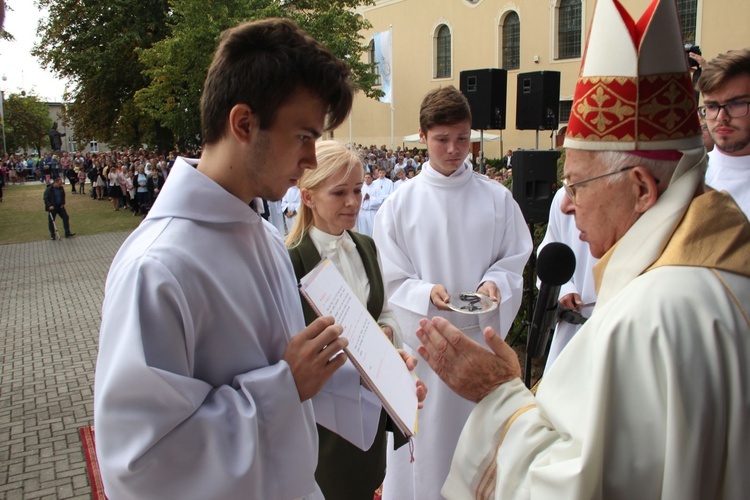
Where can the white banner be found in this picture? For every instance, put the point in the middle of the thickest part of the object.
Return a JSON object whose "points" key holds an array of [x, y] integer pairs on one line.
{"points": [[383, 57]]}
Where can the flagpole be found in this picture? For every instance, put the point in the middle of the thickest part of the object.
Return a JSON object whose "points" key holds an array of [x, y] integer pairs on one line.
{"points": [[392, 88]]}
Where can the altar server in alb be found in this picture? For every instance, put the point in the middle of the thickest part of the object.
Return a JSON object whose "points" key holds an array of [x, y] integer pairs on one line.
{"points": [[208, 384], [651, 397], [446, 231]]}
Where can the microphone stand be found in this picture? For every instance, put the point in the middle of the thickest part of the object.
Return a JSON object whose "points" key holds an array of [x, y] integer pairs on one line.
{"points": [[528, 289], [529, 307]]}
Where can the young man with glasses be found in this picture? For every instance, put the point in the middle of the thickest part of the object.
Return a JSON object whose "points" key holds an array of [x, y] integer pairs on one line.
{"points": [[725, 84]]}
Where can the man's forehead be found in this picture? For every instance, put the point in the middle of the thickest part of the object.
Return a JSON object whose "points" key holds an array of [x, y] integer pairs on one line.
{"points": [[578, 160]]}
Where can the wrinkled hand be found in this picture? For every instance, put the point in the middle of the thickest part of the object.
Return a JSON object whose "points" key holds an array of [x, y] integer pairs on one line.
{"points": [[440, 298], [489, 288], [411, 363], [469, 369], [309, 355]]}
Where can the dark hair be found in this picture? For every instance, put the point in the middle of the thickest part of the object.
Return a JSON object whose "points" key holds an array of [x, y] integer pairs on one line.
{"points": [[720, 69], [261, 64], [443, 106]]}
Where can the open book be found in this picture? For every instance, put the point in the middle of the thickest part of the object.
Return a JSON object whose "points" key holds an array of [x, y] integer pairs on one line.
{"points": [[377, 360]]}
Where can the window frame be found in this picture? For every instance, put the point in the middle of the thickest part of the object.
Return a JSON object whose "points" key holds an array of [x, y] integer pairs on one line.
{"points": [[565, 48], [444, 59], [517, 39]]}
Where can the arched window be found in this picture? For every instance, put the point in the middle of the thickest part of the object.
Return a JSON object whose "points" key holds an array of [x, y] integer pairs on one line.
{"points": [[371, 60], [511, 41], [688, 12], [443, 52], [569, 29]]}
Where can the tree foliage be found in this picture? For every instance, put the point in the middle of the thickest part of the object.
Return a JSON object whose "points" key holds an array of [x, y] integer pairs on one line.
{"points": [[139, 65], [176, 66], [94, 44], [27, 122]]}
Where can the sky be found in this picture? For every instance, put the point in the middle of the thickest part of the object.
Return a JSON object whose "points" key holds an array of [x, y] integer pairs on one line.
{"points": [[22, 70]]}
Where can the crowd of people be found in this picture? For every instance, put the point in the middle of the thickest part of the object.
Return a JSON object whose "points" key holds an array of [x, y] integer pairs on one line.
{"points": [[130, 179], [385, 171]]}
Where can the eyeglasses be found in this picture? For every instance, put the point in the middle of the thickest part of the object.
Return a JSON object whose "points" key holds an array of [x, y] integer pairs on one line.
{"points": [[570, 189], [736, 109]]}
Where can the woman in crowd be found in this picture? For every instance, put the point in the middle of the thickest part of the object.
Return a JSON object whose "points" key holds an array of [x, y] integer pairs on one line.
{"points": [[114, 186], [331, 195], [130, 186], [140, 181], [101, 181], [81, 179]]}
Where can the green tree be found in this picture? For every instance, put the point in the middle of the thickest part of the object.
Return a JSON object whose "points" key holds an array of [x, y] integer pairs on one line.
{"points": [[138, 65], [94, 45], [26, 122], [176, 65]]}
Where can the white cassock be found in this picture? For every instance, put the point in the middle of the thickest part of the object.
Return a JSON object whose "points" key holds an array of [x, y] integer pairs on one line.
{"points": [[650, 399], [382, 188], [290, 203], [562, 228], [367, 210], [458, 231], [192, 398], [398, 183], [276, 216], [730, 174]]}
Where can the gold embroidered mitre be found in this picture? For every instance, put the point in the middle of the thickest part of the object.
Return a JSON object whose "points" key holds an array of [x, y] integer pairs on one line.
{"points": [[634, 91]]}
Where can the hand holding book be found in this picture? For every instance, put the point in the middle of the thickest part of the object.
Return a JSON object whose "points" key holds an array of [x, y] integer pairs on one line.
{"points": [[386, 371]]}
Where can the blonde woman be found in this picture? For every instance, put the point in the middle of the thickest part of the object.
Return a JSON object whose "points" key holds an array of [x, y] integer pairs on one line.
{"points": [[331, 195]]}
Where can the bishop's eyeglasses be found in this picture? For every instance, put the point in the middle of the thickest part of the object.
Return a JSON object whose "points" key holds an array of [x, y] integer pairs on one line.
{"points": [[570, 189], [734, 109]]}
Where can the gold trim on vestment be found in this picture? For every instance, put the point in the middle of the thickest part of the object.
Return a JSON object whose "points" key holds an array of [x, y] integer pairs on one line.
{"points": [[486, 486]]}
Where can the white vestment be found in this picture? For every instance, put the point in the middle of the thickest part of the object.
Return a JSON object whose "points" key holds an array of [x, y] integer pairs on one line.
{"points": [[290, 204], [459, 231], [367, 210], [730, 174], [192, 397], [276, 216], [562, 228], [380, 190], [649, 400]]}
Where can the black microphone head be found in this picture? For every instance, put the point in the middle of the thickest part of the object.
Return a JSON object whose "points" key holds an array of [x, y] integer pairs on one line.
{"points": [[555, 264]]}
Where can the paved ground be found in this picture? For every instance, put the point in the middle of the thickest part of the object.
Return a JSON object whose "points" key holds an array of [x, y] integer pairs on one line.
{"points": [[50, 309]]}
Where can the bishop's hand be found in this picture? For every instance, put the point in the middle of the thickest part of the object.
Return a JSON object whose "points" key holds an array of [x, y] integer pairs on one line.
{"points": [[469, 369]]}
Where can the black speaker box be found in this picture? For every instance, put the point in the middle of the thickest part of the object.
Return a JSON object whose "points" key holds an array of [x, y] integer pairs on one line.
{"points": [[538, 100], [486, 90], [534, 182]]}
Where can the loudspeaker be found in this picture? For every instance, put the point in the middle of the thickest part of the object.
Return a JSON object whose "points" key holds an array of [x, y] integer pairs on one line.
{"points": [[486, 90], [538, 100], [534, 182]]}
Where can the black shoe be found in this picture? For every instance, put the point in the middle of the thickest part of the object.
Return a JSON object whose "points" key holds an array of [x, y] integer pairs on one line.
{"points": [[52, 238], [70, 235]]}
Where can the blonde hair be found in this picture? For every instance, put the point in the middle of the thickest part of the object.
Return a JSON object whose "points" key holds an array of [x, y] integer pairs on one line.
{"points": [[334, 161]]}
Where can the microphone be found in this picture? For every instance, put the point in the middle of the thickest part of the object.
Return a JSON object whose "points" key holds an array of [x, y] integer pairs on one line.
{"points": [[555, 266]]}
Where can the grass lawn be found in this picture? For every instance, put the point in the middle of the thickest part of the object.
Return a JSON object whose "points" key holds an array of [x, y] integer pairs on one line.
{"points": [[23, 218]]}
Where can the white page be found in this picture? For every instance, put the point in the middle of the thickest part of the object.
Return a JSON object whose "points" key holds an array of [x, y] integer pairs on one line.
{"points": [[369, 348]]}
